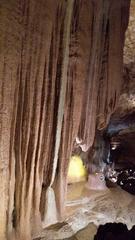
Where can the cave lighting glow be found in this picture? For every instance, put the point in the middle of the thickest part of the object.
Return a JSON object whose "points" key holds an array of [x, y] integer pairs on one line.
{"points": [[114, 147], [76, 171]]}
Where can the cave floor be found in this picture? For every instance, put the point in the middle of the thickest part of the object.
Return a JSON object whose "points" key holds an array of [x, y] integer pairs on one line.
{"points": [[86, 209]]}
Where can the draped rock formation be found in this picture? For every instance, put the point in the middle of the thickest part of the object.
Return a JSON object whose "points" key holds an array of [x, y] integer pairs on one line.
{"points": [[60, 73], [121, 128]]}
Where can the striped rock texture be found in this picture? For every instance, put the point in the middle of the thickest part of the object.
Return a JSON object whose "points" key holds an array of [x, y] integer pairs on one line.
{"points": [[60, 75]]}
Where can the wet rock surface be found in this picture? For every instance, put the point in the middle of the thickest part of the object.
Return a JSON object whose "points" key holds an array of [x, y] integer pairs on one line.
{"points": [[90, 209]]}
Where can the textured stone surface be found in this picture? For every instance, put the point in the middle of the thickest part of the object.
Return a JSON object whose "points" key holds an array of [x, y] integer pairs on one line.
{"points": [[127, 98], [129, 49], [85, 234], [60, 68], [100, 207]]}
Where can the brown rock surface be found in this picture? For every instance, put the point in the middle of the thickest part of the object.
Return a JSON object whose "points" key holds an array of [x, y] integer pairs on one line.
{"points": [[60, 67], [85, 234], [129, 49]]}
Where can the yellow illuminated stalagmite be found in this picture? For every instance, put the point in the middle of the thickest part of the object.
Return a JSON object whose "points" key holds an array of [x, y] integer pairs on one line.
{"points": [[77, 171]]}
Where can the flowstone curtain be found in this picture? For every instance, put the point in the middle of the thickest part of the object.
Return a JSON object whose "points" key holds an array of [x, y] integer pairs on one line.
{"points": [[52, 89], [109, 23]]}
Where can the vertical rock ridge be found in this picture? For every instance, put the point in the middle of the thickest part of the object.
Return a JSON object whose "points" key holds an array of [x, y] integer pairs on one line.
{"points": [[60, 78]]}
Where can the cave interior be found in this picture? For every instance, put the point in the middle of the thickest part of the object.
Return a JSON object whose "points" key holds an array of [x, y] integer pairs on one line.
{"points": [[67, 117]]}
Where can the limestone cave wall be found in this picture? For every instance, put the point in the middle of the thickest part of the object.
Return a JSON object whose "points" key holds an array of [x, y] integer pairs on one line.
{"points": [[60, 75]]}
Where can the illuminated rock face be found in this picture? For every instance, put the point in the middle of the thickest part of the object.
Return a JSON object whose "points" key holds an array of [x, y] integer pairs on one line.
{"points": [[76, 171], [96, 182], [60, 69], [99, 207], [129, 49], [126, 103]]}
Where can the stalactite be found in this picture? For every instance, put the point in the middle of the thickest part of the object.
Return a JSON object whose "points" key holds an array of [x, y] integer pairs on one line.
{"points": [[50, 196], [77, 72], [57, 69], [105, 67]]}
